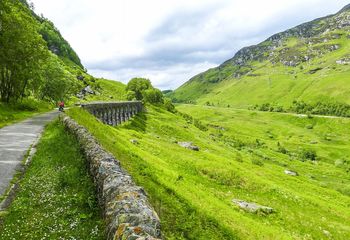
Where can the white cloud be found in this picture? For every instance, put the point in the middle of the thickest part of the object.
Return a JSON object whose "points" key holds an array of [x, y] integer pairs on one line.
{"points": [[171, 41]]}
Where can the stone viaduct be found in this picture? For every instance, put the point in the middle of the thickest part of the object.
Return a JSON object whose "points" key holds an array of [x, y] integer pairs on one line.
{"points": [[113, 113]]}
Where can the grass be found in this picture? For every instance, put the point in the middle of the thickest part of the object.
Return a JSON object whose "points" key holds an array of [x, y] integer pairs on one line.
{"points": [[107, 90], [10, 113], [239, 158], [56, 198]]}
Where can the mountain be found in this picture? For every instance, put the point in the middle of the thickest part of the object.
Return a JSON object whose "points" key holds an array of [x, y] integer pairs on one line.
{"points": [[309, 62], [52, 36]]}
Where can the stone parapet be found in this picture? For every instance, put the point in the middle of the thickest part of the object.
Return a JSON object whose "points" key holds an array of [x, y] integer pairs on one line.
{"points": [[127, 212]]}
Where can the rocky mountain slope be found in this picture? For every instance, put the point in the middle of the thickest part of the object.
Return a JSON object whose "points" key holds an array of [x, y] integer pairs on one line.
{"points": [[308, 62]]}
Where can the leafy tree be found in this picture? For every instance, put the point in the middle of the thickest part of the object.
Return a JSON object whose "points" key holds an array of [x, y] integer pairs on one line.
{"points": [[138, 85], [152, 96], [23, 53], [56, 82], [130, 95], [142, 89]]}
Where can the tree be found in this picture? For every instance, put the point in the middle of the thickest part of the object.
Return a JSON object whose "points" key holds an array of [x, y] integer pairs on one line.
{"points": [[153, 96], [22, 50], [130, 95], [138, 85], [56, 82]]}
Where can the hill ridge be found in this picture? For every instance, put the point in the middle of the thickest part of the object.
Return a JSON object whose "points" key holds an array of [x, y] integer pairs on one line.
{"points": [[301, 45]]}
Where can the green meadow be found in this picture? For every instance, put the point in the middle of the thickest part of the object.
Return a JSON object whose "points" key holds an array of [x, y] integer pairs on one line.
{"points": [[243, 155]]}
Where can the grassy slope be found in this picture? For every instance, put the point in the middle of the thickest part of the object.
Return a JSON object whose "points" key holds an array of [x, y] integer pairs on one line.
{"points": [[192, 191], [108, 90], [17, 112], [55, 200], [267, 83]]}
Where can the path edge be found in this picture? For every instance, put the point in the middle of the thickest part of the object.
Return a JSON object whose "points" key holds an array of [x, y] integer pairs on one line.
{"points": [[10, 193]]}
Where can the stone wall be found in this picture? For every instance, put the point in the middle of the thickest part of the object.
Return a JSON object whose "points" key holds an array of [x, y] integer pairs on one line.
{"points": [[113, 113], [127, 212]]}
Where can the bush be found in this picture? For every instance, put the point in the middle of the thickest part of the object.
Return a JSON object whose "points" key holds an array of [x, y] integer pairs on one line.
{"points": [[130, 95], [27, 105], [322, 108], [198, 124], [281, 149], [187, 117], [308, 154], [300, 107], [152, 96], [239, 157], [258, 162], [169, 106], [267, 107]]}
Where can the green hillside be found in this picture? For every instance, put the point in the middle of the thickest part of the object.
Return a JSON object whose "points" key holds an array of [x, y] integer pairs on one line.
{"points": [[192, 191], [38, 67], [52, 36], [307, 63], [106, 90]]}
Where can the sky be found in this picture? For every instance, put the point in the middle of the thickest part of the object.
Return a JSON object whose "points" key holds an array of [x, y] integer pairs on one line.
{"points": [[170, 41]]}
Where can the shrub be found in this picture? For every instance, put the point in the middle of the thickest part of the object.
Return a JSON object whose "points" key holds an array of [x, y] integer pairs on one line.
{"points": [[322, 108], [281, 149], [308, 154], [239, 157], [130, 95], [267, 107], [187, 117], [169, 106], [152, 96], [199, 125], [258, 162], [27, 105]]}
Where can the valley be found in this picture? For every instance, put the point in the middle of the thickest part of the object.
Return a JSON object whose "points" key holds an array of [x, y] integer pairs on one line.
{"points": [[242, 155], [255, 148]]}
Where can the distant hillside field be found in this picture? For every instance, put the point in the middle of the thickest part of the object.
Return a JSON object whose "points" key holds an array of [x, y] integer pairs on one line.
{"points": [[310, 62]]}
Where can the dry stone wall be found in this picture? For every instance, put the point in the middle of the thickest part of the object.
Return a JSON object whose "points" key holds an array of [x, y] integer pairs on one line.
{"points": [[114, 113], [127, 212]]}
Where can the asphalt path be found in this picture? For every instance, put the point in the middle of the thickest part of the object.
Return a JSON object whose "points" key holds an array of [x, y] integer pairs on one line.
{"points": [[15, 141]]}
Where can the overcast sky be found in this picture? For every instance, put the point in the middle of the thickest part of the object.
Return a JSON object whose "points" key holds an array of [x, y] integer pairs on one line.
{"points": [[169, 41]]}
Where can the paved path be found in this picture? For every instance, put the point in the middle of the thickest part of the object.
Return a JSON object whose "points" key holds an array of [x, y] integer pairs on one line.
{"points": [[15, 141]]}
